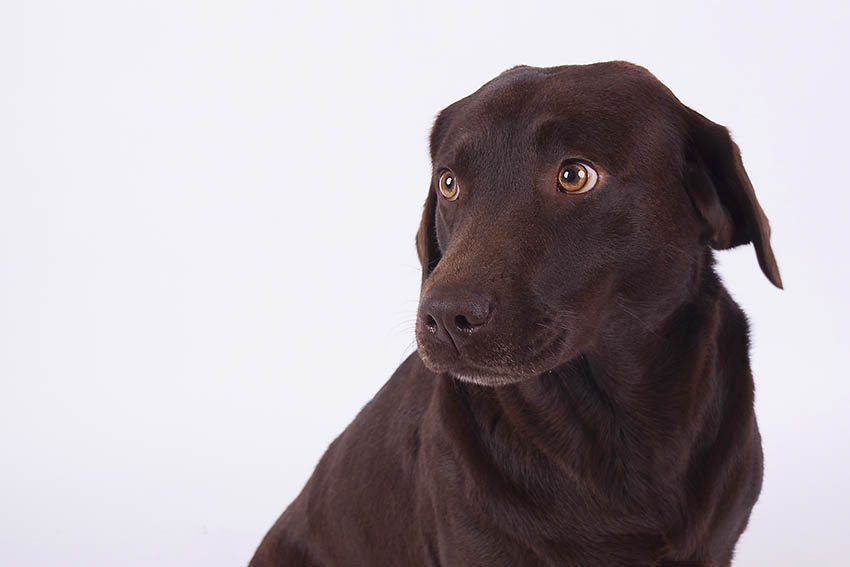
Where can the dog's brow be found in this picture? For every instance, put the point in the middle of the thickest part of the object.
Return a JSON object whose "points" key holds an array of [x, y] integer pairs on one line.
{"points": [[458, 151], [548, 129]]}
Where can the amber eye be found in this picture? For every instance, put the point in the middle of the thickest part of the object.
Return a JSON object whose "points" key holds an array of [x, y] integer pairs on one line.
{"points": [[448, 185], [576, 177]]}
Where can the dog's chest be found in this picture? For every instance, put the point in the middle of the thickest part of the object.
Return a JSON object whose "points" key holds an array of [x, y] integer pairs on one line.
{"points": [[496, 498]]}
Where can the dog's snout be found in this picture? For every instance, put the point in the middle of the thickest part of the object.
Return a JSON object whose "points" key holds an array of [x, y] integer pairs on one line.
{"points": [[453, 314]]}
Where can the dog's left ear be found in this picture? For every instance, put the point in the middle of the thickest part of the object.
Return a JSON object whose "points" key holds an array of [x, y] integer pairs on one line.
{"points": [[426, 236], [723, 195]]}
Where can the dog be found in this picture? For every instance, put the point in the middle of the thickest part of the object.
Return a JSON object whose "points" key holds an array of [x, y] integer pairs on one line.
{"points": [[581, 392]]}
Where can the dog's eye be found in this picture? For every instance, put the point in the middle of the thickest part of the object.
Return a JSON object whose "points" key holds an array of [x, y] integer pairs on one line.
{"points": [[576, 177], [448, 185]]}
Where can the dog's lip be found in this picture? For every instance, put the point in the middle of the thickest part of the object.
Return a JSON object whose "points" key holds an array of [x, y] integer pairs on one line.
{"points": [[539, 361]]}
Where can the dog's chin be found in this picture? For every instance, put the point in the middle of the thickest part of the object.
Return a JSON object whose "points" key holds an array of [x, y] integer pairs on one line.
{"points": [[484, 375], [491, 380], [481, 377]]}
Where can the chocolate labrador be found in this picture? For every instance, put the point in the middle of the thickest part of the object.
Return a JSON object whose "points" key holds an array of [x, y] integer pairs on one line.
{"points": [[582, 393]]}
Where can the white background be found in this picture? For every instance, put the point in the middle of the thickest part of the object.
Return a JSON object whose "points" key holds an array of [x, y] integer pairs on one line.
{"points": [[207, 215]]}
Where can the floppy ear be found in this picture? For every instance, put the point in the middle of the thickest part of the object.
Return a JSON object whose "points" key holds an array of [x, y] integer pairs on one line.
{"points": [[426, 236], [723, 195]]}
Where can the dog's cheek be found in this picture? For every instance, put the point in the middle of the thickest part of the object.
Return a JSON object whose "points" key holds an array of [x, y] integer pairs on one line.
{"points": [[443, 222], [665, 257], [574, 291]]}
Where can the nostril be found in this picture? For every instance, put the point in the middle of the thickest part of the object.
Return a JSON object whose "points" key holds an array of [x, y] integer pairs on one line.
{"points": [[431, 324], [463, 324]]}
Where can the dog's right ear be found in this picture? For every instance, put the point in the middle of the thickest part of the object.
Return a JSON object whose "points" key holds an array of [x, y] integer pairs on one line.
{"points": [[426, 236]]}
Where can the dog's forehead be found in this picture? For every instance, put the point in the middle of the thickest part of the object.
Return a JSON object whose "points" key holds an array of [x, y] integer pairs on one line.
{"points": [[600, 109]]}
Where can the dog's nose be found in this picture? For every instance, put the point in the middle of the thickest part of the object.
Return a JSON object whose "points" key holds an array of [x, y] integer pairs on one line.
{"points": [[453, 314]]}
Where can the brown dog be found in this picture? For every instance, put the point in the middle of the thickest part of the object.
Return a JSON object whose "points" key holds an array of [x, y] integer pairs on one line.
{"points": [[582, 391]]}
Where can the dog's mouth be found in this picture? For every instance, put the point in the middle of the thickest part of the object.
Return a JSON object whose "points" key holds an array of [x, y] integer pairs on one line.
{"points": [[496, 363]]}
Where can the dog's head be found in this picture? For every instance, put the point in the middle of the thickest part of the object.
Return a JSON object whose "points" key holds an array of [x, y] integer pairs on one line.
{"points": [[562, 198]]}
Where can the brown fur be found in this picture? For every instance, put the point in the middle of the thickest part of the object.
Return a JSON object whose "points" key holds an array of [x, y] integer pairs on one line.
{"points": [[581, 394]]}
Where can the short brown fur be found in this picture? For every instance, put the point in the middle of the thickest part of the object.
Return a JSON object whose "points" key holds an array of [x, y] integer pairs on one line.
{"points": [[581, 394]]}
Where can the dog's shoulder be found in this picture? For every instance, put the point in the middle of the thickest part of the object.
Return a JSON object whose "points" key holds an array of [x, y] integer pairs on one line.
{"points": [[386, 428]]}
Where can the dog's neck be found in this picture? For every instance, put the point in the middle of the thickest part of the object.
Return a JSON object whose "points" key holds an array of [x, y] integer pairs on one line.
{"points": [[652, 372], [642, 396]]}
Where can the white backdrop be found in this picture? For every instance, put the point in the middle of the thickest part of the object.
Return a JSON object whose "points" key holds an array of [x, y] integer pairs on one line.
{"points": [[207, 214]]}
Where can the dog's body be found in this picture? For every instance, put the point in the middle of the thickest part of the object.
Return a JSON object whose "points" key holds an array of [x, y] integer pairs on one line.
{"points": [[582, 393]]}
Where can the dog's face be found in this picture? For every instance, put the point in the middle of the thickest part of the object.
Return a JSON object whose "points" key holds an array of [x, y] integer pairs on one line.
{"points": [[562, 199]]}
